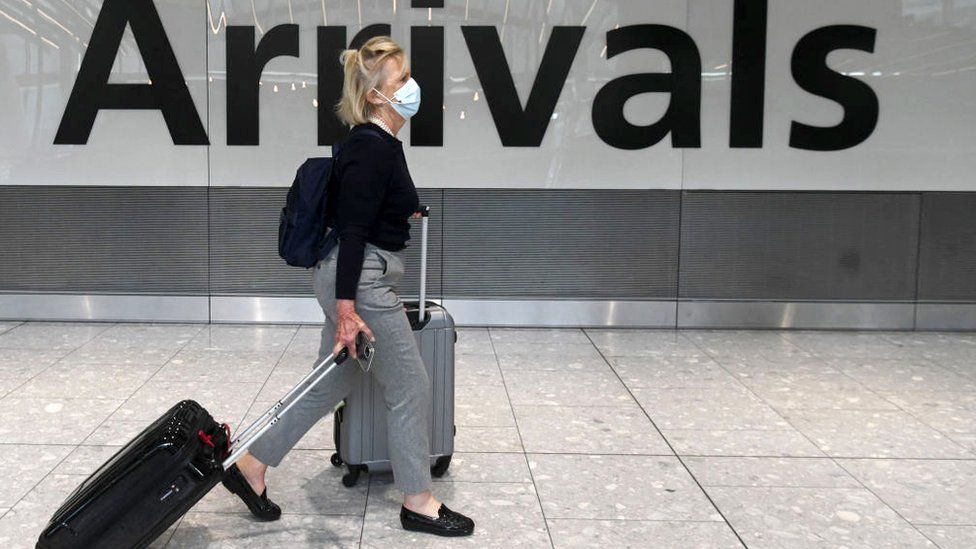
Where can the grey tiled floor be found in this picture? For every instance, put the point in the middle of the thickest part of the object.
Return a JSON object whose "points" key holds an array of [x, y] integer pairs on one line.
{"points": [[566, 438]]}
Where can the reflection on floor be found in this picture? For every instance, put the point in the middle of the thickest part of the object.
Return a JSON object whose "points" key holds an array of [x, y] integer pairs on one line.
{"points": [[566, 438]]}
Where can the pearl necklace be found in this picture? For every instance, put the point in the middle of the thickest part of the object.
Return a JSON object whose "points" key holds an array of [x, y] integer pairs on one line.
{"points": [[379, 122]]}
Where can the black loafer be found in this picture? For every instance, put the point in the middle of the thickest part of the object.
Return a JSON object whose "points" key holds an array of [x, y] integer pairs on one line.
{"points": [[260, 506], [447, 523]]}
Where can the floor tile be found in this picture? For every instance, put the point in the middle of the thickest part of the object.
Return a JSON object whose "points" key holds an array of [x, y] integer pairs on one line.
{"points": [[25, 466], [952, 350], [35, 360], [305, 483], [949, 412], [741, 442], [588, 430], [11, 378], [307, 337], [794, 398], [576, 359], [487, 439], [149, 334], [618, 487], [775, 379], [52, 420], [218, 365], [476, 370], [279, 383], [477, 467], [233, 531], [232, 337], [505, 515], [473, 341], [89, 381], [873, 433], [846, 344], [922, 491], [632, 342], [298, 360], [950, 537], [51, 335], [966, 440], [770, 472], [797, 518], [896, 409], [590, 388], [85, 460], [708, 408], [482, 406], [744, 344], [636, 534], [670, 372], [141, 357], [511, 353], [116, 432], [899, 375], [226, 401], [534, 336], [21, 526], [743, 367]]}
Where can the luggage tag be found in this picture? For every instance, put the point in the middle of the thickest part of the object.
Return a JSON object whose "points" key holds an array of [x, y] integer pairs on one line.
{"points": [[364, 348]]}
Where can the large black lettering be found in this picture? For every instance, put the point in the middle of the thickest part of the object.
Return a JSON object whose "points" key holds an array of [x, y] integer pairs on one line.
{"points": [[748, 74], [331, 41], [682, 118], [427, 66], [244, 67], [518, 127], [858, 100], [166, 92]]}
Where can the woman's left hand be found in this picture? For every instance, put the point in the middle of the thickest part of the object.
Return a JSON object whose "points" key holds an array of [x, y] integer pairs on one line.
{"points": [[415, 215]]}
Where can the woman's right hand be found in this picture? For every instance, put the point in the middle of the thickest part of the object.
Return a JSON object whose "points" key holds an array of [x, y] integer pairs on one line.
{"points": [[348, 327]]}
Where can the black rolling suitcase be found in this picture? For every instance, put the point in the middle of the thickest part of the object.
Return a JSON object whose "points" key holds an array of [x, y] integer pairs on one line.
{"points": [[156, 478]]}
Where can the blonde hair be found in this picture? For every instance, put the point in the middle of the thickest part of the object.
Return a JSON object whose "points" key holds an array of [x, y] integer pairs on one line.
{"points": [[363, 70]]}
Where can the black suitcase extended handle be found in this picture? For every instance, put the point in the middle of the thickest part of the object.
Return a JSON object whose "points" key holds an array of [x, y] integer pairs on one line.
{"points": [[254, 431]]}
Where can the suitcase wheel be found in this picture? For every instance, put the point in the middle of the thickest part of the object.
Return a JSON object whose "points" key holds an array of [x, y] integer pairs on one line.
{"points": [[352, 477], [336, 460], [440, 466]]}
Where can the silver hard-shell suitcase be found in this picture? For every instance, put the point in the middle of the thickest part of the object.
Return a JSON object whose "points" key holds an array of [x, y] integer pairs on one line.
{"points": [[360, 422]]}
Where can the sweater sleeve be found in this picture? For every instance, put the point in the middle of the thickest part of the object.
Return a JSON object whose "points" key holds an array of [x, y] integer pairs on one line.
{"points": [[365, 175]]}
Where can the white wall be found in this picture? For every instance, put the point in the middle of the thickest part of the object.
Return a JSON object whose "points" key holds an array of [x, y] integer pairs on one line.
{"points": [[923, 71]]}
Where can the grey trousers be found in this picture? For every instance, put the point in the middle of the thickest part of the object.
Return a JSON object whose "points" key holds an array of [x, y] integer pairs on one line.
{"points": [[397, 368]]}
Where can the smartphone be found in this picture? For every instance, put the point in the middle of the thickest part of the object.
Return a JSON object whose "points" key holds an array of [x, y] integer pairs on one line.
{"points": [[364, 351]]}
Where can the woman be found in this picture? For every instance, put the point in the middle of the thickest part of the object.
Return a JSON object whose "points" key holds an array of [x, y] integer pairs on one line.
{"points": [[356, 286]]}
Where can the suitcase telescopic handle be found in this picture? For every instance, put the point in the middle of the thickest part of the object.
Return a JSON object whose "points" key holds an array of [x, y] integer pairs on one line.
{"points": [[424, 216], [245, 439]]}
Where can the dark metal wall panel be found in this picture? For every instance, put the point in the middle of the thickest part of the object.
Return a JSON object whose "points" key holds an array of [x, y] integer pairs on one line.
{"points": [[565, 243], [947, 256], [799, 245], [74, 239], [244, 242]]}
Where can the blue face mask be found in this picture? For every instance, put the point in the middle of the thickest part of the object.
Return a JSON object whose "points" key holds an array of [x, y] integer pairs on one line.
{"points": [[407, 99]]}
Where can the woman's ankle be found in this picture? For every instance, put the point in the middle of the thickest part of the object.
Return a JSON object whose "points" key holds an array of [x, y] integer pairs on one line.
{"points": [[422, 502], [253, 470]]}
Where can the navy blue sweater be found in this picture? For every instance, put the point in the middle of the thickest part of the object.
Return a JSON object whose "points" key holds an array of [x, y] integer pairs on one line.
{"points": [[372, 201]]}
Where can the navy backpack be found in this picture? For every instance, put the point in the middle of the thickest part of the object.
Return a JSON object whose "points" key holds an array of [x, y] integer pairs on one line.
{"points": [[302, 238]]}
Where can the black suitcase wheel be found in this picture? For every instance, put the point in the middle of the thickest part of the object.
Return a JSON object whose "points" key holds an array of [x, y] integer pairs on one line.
{"points": [[336, 460], [352, 477], [440, 466]]}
